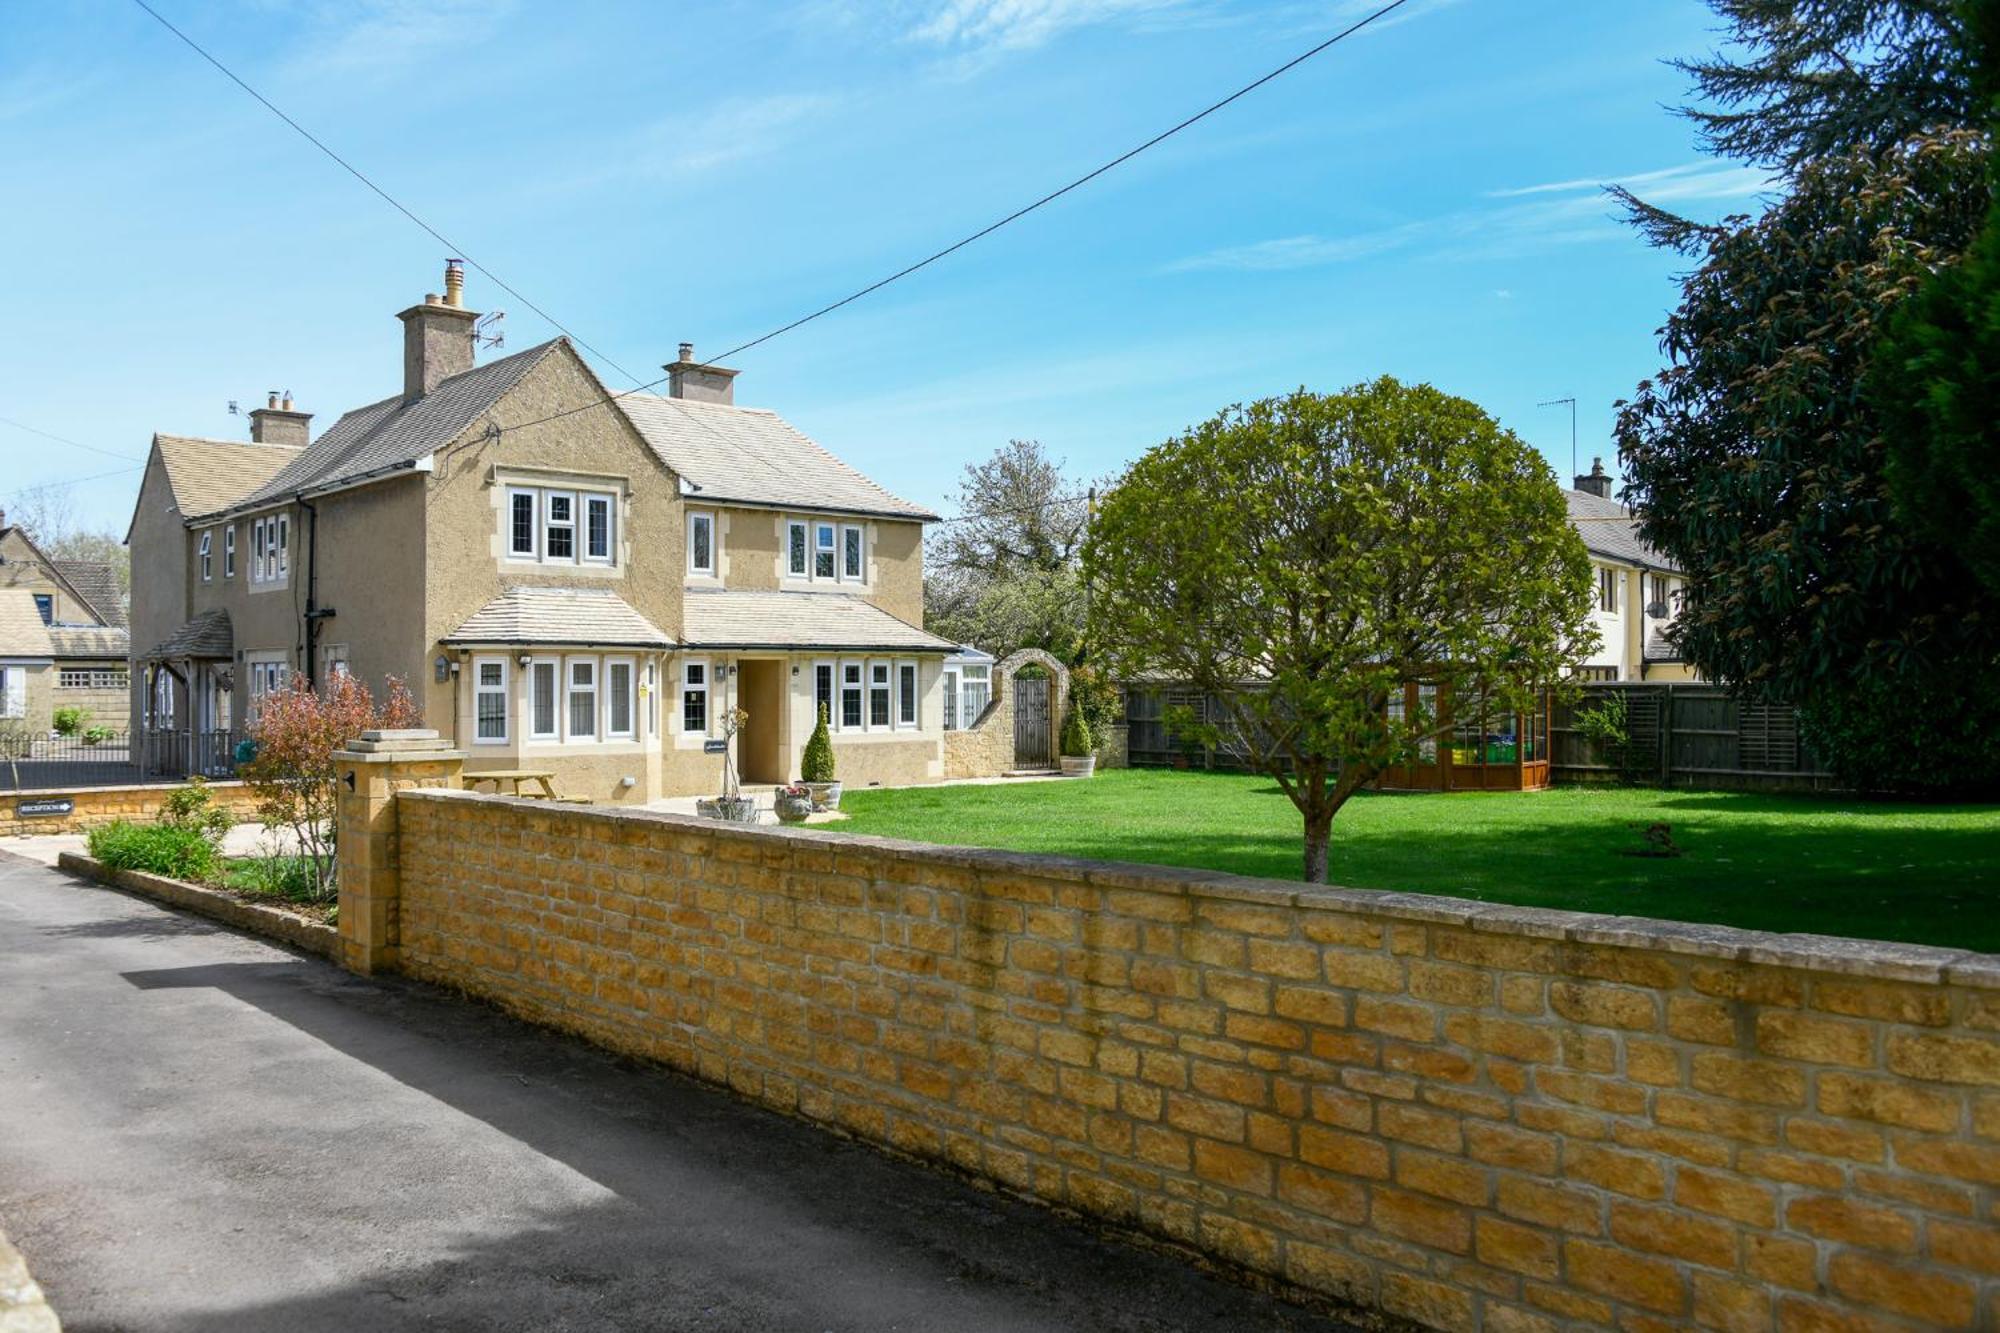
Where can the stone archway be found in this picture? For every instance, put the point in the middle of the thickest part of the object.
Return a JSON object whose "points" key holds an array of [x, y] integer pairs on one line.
{"points": [[1035, 729]]}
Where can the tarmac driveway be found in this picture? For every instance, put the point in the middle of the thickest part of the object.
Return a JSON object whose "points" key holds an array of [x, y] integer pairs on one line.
{"points": [[199, 1130]]}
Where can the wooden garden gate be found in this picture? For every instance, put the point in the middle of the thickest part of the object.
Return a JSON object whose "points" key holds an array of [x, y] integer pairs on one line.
{"points": [[1034, 743]]}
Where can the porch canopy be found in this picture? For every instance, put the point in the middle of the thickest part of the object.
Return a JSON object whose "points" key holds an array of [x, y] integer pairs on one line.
{"points": [[208, 637], [800, 622], [558, 617]]}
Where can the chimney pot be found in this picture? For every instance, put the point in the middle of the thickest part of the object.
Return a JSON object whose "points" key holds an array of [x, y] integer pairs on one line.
{"points": [[1596, 482], [273, 401], [437, 337], [687, 352], [454, 283]]}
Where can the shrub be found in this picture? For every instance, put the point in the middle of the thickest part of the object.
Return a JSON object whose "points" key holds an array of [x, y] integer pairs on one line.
{"points": [[1609, 734], [192, 808], [98, 735], [157, 849], [69, 720], [816, 765], [288, 877], [1077, 741], [1097, 696]]}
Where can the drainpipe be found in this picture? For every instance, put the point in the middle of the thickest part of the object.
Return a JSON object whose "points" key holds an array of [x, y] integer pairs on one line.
{"points": [[314, 613]]}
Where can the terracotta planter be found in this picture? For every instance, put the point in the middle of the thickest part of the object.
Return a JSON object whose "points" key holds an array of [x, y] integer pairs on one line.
{"points": [[1078, 766], [729, 809], [825, 795], [793, 809]]}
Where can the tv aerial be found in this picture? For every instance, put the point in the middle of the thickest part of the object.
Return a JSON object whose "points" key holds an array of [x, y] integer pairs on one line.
{"points": [[486, 330]]}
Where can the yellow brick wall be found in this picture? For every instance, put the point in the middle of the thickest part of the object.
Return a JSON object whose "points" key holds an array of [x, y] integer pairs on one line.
{"points": [[106, 805], [1464, 1115]]}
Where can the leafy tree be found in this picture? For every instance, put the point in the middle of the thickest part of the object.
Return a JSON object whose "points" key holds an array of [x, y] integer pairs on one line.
{"points": [[1936, 375], [1304, 556], [1756, 459], [297, 732], [48, 514]]}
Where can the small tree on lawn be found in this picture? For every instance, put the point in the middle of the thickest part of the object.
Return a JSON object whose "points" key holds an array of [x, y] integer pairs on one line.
{"points": [[298, 730], [1303, 557]]}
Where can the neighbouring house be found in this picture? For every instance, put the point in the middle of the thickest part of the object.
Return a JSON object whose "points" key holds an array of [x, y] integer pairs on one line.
{"points": [[566, 581], [1638, 590], [63, 638]]}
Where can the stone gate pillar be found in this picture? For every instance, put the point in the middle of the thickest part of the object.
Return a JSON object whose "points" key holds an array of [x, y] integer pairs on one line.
{"points": [[370, 771]]}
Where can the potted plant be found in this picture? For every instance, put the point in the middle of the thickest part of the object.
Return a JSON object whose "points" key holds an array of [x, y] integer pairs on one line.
{"points": [[816, 767], [1079, 748], [732, 806], [793, 803]]}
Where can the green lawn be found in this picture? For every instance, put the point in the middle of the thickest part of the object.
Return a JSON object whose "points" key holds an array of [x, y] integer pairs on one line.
{"points": [[1928, 874]]}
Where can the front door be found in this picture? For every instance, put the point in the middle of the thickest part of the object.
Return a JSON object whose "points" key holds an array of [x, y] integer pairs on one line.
{"points": [[760, 746]]}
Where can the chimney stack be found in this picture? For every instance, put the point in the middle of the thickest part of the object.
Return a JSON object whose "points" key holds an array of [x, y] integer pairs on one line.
{"points": [[277, 423], [1595, 482], [437, 336], [689, 379]]}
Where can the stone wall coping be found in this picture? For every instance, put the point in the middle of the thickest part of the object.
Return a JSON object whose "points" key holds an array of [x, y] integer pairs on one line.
{"points": [[1881, 959], [393, 753], [40, 793]]}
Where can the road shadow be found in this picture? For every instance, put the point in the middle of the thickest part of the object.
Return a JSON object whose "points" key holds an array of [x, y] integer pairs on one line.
{"points": [[726, 1216]]}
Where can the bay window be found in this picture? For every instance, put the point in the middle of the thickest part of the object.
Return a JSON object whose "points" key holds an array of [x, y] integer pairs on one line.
{"points": [[878, 694], [582, 698], [850, 696], [542, 719], [619, 723]]}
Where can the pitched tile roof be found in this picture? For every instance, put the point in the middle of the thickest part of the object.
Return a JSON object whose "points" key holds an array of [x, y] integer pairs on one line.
{"points": [[1609, 530], [207, 635], [580, 617], [755, 456], [22, 633], [802, 620], [208, 476], [396, 432], [90, 640], [97, 583]]}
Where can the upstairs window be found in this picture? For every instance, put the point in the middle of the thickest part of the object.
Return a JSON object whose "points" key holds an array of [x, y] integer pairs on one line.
{"points": [[270, 559], [823, 553], [597, 528], [204, 554], [559, 525], [796, 553], [850, 553], [229, 552], [45, 607], [1607, 589], [521, 525], [701, 543]]}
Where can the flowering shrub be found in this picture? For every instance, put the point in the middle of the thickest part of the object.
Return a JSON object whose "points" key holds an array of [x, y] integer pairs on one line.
{"points": [[297, 731]]}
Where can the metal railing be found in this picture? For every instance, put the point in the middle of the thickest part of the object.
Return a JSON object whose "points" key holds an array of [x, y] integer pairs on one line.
{"points": [[113, 759]]}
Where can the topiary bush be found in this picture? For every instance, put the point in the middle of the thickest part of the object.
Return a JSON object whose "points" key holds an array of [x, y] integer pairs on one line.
{"points": [[816, 764], [157, 849], [1077, 742]]}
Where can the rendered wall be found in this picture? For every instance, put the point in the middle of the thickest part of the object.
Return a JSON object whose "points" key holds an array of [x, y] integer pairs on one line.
{"points": [[1465, 1115]]}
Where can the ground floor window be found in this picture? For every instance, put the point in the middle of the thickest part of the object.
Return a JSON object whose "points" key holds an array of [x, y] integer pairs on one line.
{"points": [[823, 692], [91, 678], [906, 694], [694, 698], [13, 691], [542, 699], [850, 696], [878, 694], [582, 698], [268, 674], [489, 700], [618, 704]]}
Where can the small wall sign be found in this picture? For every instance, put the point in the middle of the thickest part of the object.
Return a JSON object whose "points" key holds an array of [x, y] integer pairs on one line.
{"points": [[44, 809], [715, 747]]}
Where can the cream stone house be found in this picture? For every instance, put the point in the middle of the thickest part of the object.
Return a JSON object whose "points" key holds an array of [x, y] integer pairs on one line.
{"points": [[63, 642], [566, 581], [1638, 589]]}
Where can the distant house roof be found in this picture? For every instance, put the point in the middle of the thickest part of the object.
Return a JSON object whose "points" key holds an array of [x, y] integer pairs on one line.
{"points": [[97, 584], [90, 640], [1609, 530], [753, 456], [396, 432], [799, 620], [22, 633], [580, 617], [208, 476], [208, 635]]}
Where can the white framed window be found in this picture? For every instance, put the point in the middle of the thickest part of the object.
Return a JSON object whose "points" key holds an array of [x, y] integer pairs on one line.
{"points": [[489, 700], [853, 563], [270, 538], [284, 545], [333, 662], [852, 705], [948, 687], [257, 551], [582, 699], [1607, 588], [229, 552], [597, 529], [824, 537], [906, 694], [701, 542], [269, 673], [544, 720], [163, 697], [522, 529], [975, 692], [559, 525], [91, 678], [798, 554], [205, 555], [878, 695], [14, 691], [620, 709], [694, 698], [823, 699]]}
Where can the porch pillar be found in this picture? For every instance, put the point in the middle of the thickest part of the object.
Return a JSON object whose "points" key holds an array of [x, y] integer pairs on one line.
{"points": [[372, 769]]}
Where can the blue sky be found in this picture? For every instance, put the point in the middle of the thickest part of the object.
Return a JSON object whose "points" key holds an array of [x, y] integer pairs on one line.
{"points": [[1422, 201]]}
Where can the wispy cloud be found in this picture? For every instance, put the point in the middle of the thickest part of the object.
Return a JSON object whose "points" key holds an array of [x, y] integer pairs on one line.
{"points": [[1522, 220], [375, 37], [1014, 25], [676, 147]]}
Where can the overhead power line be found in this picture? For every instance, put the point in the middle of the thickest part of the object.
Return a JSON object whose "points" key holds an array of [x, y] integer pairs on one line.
{"points": [[386, 197], [74, 444], [990, 228]]}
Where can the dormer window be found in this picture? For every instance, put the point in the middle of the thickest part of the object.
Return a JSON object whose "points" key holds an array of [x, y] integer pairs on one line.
{"points": [[701, 543]]}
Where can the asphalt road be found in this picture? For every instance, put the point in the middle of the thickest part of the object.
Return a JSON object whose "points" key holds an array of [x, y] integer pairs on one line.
{"points": [[199, 1130]]}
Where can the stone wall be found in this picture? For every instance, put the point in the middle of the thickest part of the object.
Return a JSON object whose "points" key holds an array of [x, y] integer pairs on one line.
{"points": [[105, 805], [1464, 1115]]}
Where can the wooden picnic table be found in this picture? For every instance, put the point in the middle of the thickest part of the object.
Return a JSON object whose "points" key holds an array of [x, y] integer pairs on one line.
{"points": [[502, 778]]}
